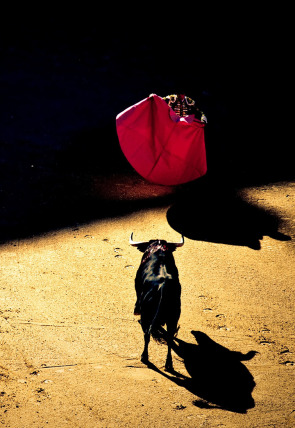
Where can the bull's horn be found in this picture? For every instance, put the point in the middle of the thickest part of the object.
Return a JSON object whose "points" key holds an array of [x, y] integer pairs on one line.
{"points": [[178, 244], [133, 243]]}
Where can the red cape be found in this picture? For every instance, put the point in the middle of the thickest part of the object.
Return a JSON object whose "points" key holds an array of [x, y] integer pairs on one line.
{"points": [[162, 147]]}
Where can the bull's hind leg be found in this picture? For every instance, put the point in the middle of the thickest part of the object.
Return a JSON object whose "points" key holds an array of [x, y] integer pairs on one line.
{"points": [[145, 354], [169, 363], [171, 330]]}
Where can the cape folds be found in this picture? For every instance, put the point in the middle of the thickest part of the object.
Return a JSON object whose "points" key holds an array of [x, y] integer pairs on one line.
{"points": [[161, 146]]}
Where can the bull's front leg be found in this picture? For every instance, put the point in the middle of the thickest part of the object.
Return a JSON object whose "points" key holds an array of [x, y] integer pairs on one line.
{"points": [[145, 354]]}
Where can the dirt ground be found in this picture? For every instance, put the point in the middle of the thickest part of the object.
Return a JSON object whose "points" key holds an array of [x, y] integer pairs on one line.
{"points": [[70, 344]]}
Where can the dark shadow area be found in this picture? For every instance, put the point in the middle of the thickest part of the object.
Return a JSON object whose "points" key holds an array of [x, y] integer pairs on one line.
{"points": [[86, 178], [213, 211], [45, 189], [216, 374], [93, 151]]}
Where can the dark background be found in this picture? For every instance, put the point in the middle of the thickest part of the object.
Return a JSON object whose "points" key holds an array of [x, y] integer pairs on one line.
{"points": [[65, 76]]}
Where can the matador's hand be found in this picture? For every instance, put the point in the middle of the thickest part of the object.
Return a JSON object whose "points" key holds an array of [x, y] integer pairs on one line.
{"points": [[204, 118]]}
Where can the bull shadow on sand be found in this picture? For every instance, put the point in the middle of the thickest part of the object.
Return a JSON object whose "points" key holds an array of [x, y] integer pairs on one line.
{"points": [[213, 212], [216, 375]]}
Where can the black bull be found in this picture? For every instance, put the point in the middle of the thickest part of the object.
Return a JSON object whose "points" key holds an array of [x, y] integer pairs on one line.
{"points": [[158, 294]]}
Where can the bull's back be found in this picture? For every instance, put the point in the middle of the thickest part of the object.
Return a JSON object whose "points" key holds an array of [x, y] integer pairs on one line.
{"points": [[160, 302]]}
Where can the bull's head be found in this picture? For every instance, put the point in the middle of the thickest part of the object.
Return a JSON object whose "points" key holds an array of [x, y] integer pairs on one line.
{"points": [[142, 246]]}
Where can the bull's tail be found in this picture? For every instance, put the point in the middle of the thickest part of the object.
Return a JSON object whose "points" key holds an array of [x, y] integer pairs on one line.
{"points": [[159, 334], [155, 329], [155, 325]]}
